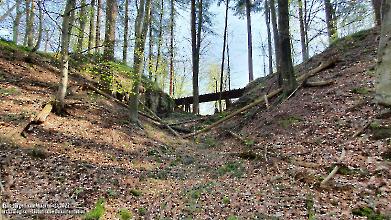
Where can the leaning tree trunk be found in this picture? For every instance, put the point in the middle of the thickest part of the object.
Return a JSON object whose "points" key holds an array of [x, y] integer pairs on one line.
{"points": [[111, 14], [249, 42], [91, 31], [330, 21], [383, 86], [302, 20], [376, 4], [289, 80], [16, 23], [141, 30], [65, 38], [269, 37], [40, 28], [97, 28], [126, 32], [82, 26]]}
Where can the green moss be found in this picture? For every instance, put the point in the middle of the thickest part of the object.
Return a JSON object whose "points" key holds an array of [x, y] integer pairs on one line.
{"points": [[8, 91], [125, 214], [226, 200], [97, 212], [38, 153], [142, 211], [12, 47], [288, 121], [135, 192], [232, 217], [360, 90], [235, 169]]}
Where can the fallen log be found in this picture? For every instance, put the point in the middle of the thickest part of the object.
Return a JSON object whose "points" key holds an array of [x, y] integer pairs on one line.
{"points": [[39, 119], [187, 122], [318, 83], [258, 101]]}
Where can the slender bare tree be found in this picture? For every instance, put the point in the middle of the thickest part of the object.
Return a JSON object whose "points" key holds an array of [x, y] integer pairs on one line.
{"points": [[65, 38]]}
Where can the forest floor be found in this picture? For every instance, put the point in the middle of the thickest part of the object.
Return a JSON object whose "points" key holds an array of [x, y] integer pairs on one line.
{"points": [[274, 173]]}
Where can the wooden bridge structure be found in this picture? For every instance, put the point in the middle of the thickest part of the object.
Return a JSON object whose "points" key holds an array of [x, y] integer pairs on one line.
{"points": [[185, 102]]}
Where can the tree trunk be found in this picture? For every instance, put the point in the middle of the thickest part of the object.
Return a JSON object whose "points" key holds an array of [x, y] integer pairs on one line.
{"points": [[141, 28], [228, 66], [126, 32], [27, 13], [223, 54], [304, 49], [249, 42], [330, 21], [383, 86], [194, 55], [46, 40], [40, 28], [65, 37], [376, 4], [276, 37], [172, 23], [97, 29], [30, 25], [150, 51], [269, 37], [196, 42], [82, 25], [91, 31], [289, 80], [160, 37], [111, 14], [16, 23]]}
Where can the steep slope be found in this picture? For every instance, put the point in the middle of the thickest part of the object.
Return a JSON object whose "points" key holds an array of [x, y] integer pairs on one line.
{"points": [[302, 138], [274, 173]]}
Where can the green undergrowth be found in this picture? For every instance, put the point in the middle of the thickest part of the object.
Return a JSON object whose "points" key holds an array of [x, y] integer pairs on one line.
{"points": [[12, 47], [97, 212], [369, 213]]}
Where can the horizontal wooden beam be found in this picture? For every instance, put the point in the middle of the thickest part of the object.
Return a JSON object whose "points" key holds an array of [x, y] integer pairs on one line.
{"points": [[232, 94]]}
